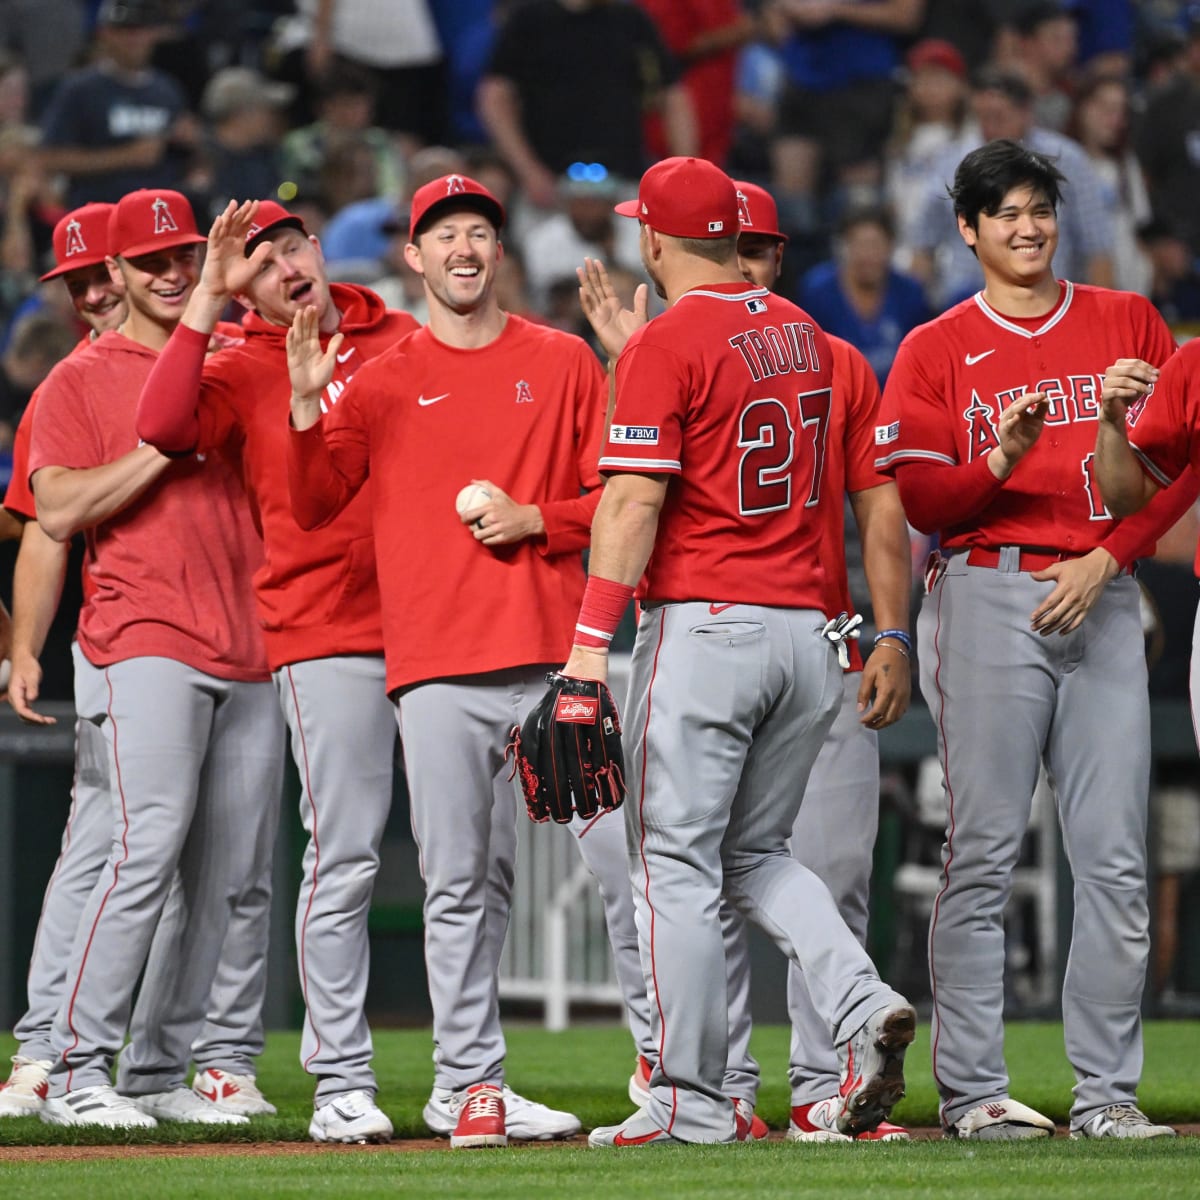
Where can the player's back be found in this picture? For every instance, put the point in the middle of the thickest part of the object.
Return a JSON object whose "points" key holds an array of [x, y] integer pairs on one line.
{"points": [[729, 391]]}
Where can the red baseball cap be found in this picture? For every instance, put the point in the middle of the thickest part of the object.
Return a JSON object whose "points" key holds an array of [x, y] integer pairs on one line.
{"points": [[149, 220], [757, 212], [268, 216], [80, 239], [685, 197], [935, 52], [453, 191]]}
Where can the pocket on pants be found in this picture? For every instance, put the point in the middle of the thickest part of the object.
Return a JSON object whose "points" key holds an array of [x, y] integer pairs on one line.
{"points": [[733, 632]]}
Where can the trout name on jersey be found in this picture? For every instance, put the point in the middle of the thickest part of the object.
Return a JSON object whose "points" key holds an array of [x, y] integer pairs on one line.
{"points": [[768, 351], [1076, 400]]}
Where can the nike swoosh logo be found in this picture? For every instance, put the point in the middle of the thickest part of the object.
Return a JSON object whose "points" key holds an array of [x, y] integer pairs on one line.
{"points": [[432, 399], [209, 1095], [622, 1140], [719, 608], [972, 359], [343, 357]]}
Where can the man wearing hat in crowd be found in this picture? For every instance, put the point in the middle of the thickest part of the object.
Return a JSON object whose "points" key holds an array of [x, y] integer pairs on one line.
{"points": [[170, 670], [478, 396], [318, 603], [735, 680]]}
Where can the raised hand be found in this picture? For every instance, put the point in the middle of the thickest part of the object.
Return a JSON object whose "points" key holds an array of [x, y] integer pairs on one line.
{"points": [[310, 368], [612, 324], [227, 269], [1126, 382], [1021, 425]]}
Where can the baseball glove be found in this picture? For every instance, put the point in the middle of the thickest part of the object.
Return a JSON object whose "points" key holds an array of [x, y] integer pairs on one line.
{"points": [[568, 751]]}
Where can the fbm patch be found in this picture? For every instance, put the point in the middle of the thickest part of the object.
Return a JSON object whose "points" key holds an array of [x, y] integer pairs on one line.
{"points": [[887, 433], [644, 435]]}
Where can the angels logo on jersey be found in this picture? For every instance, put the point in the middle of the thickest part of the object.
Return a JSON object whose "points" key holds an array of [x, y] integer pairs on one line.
{"points": [[75, 243], [164, 222], [524, 395]]}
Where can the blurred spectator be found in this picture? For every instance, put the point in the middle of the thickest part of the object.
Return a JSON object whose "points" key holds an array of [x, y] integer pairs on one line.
{"points": [[397, 42], [933, 113], [859, 295], [400, 286], [36, 344], [468, 30], [1175, 277], [704, 36], [1101, 123], [1106, 34], [1047, 53], [119, 124], [48, 37], [586, 228], [836, 112], [345, 102], [573, 79], [1003, 107], [1160, 57], [1167, 141], [239, 155], [968, 25], [758, 84]]}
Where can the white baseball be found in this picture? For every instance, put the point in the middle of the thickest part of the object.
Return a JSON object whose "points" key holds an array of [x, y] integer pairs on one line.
{"points": [[5, 673], [472, 496]]}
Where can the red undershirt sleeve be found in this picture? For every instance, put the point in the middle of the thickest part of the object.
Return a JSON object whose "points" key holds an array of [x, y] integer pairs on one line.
{"points": [[937, 496], [1136, 536], [166, 412]]}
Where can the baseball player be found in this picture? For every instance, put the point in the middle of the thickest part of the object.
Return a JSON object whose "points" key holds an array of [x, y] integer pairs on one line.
{"points": [[1030, 644], [477, 395], [835, 830], [233, 1033], [318, 603], [734, 681], [169, 670]]}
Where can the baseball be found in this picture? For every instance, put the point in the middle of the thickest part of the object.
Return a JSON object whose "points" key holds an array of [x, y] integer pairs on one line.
{"points": [[472, 496], [5, 673]]}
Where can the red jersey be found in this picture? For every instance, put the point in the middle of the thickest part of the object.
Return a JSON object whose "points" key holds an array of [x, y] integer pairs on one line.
{"points": [[317, 592], [1164, 428], [849, 467], [953, 377], [709, 81], [171, 571], [423, 419], [729, 390]]}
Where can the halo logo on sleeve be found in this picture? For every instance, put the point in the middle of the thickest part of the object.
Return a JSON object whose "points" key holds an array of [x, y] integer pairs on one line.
{"points": [[634, 435], [887, 433]]}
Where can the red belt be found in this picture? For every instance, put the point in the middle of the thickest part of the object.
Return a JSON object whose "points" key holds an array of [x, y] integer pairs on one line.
{"points": [[1030, 559]]}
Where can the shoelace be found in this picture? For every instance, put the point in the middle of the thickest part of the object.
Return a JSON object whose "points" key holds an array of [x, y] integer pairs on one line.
{"points": [[483, 1104], [1127, 1113], [838, 631]]}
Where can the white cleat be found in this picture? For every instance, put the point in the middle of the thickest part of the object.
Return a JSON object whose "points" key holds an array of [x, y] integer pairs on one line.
{"points": [[97, 1106], [1002, 1120], [873, 1068], [525, 1120], [182, 1104], [354, 1117], [232, 1093], [1122, 1121], [24, 1092]]}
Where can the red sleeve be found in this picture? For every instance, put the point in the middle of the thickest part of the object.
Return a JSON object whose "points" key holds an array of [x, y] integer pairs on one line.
{"points": [[328, 463], [19, 497], [1162, 427], [936, 496], [1135, 537], [569, 522], [859, 389], [646, 434], [167, 408]]}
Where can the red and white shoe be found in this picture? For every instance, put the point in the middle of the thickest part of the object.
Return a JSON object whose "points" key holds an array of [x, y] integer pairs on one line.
{"points": [[23, 1094], [638, 1130], [232, 1093], [750, 1127], [885, 1131], [480, 1118], [817, 1122]]}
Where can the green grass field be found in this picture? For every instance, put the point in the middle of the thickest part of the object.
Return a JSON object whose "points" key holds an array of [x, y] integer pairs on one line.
{"points": [[585, 1070]]}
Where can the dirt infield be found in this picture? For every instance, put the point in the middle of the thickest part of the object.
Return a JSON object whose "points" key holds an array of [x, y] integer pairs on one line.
{"points": [[36, 1154]]}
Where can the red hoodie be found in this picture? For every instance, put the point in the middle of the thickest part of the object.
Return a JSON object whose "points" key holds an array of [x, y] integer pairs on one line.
{"points": [[317, 592]]}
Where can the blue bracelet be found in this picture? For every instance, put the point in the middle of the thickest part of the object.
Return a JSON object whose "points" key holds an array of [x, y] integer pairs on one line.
{"points": [[901, 635]]}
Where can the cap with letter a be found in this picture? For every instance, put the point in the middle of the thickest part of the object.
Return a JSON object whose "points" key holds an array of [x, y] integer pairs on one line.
{"points": [[686, 198], [757, 212], [151, 219], [268, 216], [80, 239], [448, 192]]}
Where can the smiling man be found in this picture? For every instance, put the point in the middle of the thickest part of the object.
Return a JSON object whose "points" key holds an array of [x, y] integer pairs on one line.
{"points": [[988, 424], [476, 606]]}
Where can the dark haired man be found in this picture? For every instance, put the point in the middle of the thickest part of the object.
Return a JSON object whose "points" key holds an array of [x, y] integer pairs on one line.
{"points": [[987, 424]]}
